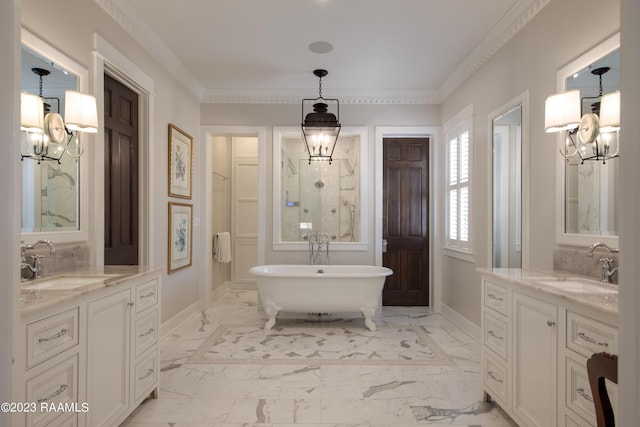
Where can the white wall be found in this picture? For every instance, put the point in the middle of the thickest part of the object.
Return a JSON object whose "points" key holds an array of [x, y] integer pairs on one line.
{"points": [[172, 103], [269, 115], [529, 61]]}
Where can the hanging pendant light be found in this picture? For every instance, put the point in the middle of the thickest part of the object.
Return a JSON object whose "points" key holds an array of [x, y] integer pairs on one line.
{"points": [[320, 128]]}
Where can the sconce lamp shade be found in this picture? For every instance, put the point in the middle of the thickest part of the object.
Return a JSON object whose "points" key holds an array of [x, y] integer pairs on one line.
{"points": [[31, 113], [81, 112], [562, 111], [610, 112]]}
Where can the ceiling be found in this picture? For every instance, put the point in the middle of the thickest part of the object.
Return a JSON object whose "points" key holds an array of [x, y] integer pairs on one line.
{"points": [[402, 51]]}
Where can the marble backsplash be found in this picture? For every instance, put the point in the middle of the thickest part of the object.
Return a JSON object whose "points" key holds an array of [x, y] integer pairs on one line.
{"points": [[576, 261], [67, 257]]}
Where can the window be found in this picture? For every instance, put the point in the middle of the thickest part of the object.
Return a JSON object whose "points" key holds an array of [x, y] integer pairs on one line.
{"points": [[458, 185]]}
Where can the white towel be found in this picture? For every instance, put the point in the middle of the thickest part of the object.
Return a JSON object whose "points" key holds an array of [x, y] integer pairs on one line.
{"points": [[222, 247]]}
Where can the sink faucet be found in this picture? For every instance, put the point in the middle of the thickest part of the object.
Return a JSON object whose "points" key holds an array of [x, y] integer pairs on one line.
{"points": [[599, 245], [607, 272], [36, 268]]}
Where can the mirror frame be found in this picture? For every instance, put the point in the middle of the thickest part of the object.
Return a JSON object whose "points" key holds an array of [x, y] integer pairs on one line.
{"points": [[45, 50], [278, 245], [583, 61], [522, 101]]}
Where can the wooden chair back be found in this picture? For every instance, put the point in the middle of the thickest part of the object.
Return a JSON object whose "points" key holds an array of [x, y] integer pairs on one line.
{"points": [[602, 366]]}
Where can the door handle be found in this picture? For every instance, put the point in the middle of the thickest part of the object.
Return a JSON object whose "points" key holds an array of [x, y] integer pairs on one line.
{"points": [[384, 245]]}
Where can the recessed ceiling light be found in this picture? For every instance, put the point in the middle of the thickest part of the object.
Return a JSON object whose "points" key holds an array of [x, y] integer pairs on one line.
{"points": [[320, 47]]}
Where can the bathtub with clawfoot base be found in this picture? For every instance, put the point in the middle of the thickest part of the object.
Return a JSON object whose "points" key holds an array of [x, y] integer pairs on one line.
{"points": [[320, 289]]}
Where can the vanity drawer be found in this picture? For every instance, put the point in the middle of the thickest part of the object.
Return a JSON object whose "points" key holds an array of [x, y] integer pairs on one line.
{"points": [[146, 331], [51, 336], [55, 386], [495, 297], [578, 396], [146, 295], [495, 378], [146, 375], [586, 336], [495, 334], [573, 421], [70, 421]]}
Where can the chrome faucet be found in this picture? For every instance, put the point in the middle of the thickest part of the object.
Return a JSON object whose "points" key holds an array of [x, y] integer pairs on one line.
{"points": [[316, 241], [599, 245], [607, 272], [36, 268]]}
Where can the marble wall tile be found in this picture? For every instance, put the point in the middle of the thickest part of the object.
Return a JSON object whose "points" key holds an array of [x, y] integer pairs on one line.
{"points": [[576, 261], [66, 257]]}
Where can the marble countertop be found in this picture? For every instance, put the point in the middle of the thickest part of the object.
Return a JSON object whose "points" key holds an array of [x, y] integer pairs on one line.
{"points": [[33, 299], [598, 295]]}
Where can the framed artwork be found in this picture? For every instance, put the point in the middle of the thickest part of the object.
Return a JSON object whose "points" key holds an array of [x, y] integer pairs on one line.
{"points": [[180, 236], [180, 162]]}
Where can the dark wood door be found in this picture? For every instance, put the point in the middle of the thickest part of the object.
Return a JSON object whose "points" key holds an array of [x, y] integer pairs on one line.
{"points": [[121, 174], [405, 220]]}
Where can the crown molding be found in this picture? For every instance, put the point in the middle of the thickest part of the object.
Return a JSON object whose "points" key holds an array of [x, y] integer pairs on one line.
{"points": [[362, 97], [137, 28], [515, 19]]}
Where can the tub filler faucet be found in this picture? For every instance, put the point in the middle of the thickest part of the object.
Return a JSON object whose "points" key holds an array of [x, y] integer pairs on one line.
{"points": [[316, 243]]}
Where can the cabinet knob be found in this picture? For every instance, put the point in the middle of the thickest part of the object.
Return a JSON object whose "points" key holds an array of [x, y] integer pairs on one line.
{"points": [[551, 323], [130, 303]]}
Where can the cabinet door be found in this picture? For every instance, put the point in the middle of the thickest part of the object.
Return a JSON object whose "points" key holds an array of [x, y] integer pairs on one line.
{"points": [[535, 360], [108, 353]]}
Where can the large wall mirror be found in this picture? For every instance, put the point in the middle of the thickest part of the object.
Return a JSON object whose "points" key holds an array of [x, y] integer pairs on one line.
{"points": [[588, 192], [53, 200], [507, 126], [507, 189], [318, 196]]}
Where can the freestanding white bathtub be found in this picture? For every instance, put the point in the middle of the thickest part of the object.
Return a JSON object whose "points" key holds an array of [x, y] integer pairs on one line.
{"points": [[320, 289]]}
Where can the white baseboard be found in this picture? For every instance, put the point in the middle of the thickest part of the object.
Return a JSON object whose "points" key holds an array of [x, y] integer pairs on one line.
{"points": [[168, 326], [244, 286], [462, 322], [219, 291]]}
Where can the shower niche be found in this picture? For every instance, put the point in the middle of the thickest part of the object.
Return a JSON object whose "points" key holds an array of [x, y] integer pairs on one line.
{"points": [[318, 196]]}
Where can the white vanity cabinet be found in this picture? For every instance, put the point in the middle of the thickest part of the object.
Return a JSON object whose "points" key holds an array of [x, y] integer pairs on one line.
{"points": [[535, 346], [535, 356], [120, 338], [96, 352]]}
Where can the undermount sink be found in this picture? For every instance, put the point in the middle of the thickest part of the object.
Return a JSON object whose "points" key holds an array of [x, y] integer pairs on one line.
{"points": [[580, 286], [66, 282]]}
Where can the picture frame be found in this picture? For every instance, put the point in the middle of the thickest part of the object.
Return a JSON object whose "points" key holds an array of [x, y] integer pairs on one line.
{"points": [[180, 236], [180, 163]]}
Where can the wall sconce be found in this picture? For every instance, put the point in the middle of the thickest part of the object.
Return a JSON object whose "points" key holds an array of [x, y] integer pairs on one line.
{"points": [[47, 137], [589, 134], [320, 128]]}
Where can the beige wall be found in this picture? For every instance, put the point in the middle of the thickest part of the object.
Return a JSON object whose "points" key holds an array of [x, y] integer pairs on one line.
{"points": [[629, 377], [10, 194], [220, 209], [172, 103], [529, 61]]}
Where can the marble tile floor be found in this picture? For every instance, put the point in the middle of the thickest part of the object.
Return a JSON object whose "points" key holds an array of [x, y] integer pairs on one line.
{"points": [[318, 394]]}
